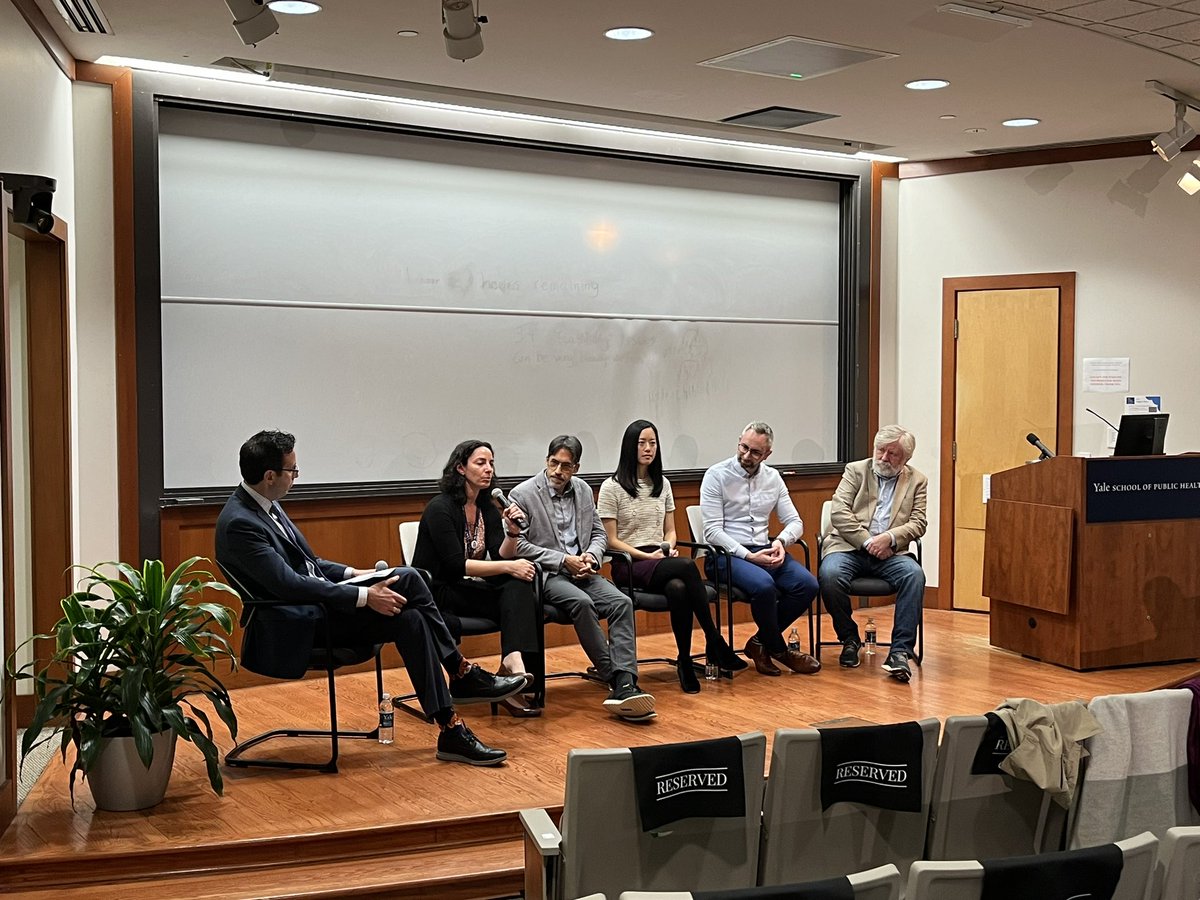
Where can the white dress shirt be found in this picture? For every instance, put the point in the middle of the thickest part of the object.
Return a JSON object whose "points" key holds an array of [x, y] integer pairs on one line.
{"points": [[737, 507]]}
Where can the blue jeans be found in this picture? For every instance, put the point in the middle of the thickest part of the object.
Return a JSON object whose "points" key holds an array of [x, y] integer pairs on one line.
{"points": [[901, 571], [778, 597]]}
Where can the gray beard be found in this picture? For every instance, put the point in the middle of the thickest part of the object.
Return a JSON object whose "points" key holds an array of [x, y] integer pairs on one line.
{"points": [[883, 469]]}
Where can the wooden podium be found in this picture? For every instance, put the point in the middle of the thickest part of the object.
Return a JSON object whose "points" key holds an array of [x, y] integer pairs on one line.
{"points": [[1095, 563]]}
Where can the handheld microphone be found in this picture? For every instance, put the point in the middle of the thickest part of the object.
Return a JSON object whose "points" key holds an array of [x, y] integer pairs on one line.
{"points": [[666, 548], [1046, 452], [498, 496], [1102, 419], [382, 566]]}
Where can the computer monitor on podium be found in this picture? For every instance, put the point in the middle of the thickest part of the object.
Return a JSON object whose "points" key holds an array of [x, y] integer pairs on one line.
{"points": [[1141, 435]]}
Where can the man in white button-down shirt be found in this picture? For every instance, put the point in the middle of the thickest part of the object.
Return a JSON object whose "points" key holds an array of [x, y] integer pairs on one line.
{"points": [[737, 497]]}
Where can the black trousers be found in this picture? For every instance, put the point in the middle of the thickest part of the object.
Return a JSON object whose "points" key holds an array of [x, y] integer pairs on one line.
{"points": [[504, 599], [419, 633]]}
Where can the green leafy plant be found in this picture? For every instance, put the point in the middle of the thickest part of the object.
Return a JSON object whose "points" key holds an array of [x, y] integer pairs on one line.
{"points": [[132, 650]]}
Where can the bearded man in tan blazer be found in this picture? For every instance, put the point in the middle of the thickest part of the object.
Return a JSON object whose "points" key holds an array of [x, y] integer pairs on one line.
{"points": [[877, 511]]}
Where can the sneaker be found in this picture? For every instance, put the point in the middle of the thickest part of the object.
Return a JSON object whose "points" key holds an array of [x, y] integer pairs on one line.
{"points": [[896, 665], [478, 686], [628, 701], [849, 657], [458, 743]]}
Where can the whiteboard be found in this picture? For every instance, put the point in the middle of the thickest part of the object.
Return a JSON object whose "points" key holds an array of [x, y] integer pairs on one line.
{"points": [[384, 296]]}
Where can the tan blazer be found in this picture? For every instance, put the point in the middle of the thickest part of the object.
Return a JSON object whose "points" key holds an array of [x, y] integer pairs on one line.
{"points": [[854, 504]]}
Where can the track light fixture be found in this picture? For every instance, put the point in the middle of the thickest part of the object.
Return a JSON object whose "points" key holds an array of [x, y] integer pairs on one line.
{"points": [[460, 28], [252, 21], [33, 196], [1170, 144], [1189, 182]]}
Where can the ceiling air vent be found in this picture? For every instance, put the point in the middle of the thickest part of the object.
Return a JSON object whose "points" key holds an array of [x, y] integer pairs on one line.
{"points": [[794, 58], [84, 16], [779, 117]]}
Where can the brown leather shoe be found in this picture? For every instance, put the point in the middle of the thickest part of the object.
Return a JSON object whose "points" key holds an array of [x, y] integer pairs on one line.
{"points": [[800, 663], [758, 655]]}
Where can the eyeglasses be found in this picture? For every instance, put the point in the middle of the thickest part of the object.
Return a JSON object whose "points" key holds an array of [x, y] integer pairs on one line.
{"points": [[295, 471], [555, 465], [751, 452]]}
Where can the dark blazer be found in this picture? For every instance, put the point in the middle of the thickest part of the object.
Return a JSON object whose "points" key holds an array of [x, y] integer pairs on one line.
{"points": [[276, 641]]}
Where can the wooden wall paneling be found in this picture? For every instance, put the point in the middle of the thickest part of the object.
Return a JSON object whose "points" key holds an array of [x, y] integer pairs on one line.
{"points": [[8, 719], [48, 343]]}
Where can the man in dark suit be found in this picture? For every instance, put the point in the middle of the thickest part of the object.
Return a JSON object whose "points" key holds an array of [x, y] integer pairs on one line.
{"points": [[264, 551]]}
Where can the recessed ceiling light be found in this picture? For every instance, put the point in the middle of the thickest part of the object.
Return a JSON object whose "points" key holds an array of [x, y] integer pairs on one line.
{"points": [[294, 7], [927, 84], [628, 33], [1021, 123], [407, 32], [947, 117]]}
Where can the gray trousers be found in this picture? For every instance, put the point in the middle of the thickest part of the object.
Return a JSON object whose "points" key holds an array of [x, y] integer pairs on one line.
{"points": [[589, 601]]}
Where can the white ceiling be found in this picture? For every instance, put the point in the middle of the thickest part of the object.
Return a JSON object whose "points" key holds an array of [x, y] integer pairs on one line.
{"points": [[1084, 80]]}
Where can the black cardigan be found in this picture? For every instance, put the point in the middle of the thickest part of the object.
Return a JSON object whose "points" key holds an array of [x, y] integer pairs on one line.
{"points": [[440, 537]]}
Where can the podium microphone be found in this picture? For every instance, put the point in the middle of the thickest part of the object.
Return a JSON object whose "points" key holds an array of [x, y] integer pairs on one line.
{"points": [[1046, 452], [498, 496], [1102, 419]]}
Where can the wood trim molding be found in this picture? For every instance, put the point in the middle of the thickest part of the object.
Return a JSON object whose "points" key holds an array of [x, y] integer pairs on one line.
{"points": [[125, 312], [1064, 438], [879, 171], [8, 722], [40, 25], [1047, 157]]}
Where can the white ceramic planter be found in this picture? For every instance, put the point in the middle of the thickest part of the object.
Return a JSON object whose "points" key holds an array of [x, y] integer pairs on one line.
{"points": [[120, 782]]}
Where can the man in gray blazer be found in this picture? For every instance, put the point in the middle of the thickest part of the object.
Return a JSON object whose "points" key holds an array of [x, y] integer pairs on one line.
{"points": [[566, 539], [877, 511]]}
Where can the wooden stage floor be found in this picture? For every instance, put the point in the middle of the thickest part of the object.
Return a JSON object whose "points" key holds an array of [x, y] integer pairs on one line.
{"points": [[381, 790]]}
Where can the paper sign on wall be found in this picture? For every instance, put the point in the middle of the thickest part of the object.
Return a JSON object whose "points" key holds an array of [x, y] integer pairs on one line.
{"points": [[1106, 374], [1138, 404]]}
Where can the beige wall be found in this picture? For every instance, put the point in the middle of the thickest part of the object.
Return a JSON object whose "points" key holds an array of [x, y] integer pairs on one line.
{"points": [[1122, 225]]}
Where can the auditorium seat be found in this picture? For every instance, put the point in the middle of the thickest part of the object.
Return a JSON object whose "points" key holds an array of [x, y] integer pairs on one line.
{"points": [[1179, 863], [985, 816], [963, 879], [882, 883], [600, 845], [1135, 778], [803, 841]]}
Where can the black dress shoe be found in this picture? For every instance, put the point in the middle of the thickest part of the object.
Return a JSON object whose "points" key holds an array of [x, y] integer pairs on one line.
{"points": [[459, 744], [478, 686], [722, 654]]}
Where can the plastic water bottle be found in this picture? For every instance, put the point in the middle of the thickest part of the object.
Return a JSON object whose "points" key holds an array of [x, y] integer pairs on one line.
{"points": [[710, 669], [386, 717], [870, 636], [793, 642]]}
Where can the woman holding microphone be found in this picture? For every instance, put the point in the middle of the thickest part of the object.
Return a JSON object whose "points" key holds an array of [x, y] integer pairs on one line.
{"points": [[459, 542]]}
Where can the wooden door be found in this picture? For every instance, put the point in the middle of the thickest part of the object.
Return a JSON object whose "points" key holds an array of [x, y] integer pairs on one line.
{"points": [[1010, 346]]}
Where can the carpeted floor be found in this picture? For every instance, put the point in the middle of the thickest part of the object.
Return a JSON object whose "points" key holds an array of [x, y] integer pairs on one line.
{"points": [[30, 769]]}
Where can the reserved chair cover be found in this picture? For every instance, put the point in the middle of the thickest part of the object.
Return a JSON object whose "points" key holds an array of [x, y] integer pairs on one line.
{"points": [[802, 841]]}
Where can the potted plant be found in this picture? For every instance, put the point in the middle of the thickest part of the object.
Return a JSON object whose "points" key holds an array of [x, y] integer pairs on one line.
{"points": [[131, 653]]}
